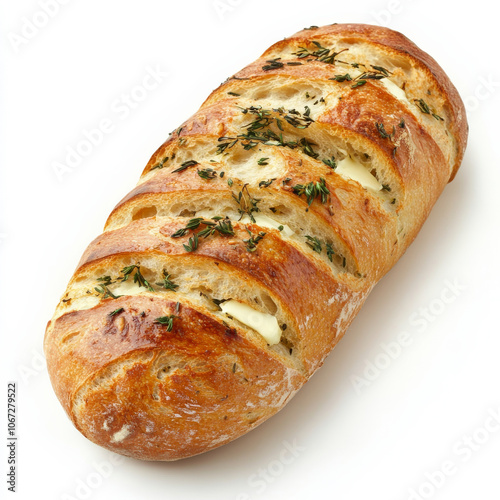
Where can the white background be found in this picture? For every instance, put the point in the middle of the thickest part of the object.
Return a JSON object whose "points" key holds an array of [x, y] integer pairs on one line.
{"points": [[380, 440]]}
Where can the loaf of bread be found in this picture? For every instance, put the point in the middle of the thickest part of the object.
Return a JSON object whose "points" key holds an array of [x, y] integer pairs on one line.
{"points": [[257, 230]]}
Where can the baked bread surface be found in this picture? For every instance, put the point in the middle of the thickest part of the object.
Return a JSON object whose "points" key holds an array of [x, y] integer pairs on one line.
{"points": [[296, 186]]}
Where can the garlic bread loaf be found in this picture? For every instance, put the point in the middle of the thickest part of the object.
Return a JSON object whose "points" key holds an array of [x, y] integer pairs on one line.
{"points": [[256, 231]]}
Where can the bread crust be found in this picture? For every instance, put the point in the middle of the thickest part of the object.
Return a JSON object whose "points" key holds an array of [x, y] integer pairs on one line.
{"points": [[147, 364]]}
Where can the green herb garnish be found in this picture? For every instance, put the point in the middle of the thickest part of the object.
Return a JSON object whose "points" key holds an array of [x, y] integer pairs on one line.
{"points": [[207, 173], [138, 277], [252, 242], [167, 321], [312, 190], [167, 283], [185, 165]]}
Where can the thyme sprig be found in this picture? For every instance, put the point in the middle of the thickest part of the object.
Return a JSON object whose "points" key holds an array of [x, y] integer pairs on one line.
{"points": [[160, 164], [104, 282], [321, 53], [266, 183], [313, 190], [317, 246], [253, 241], [217, 224], [207, 173], [383, 133], [265, 117], [330, 162], [185, 165], [246, 204], [167, 283], [103, 289], [424, 108], [192, 244], [167, 321], [138, 277], [376, 73], [273, 64]]}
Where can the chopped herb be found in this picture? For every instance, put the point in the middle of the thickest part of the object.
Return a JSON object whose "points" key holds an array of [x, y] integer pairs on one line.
{"points": [[330, 162], [342, 78], [252, 242], [359, 83], [185, 165], [115, 312], [105, 291], [167, 283], [321, 53], [386, 187], [382, 70], [297, 119], [207, 173], [383, 133], [424, 108], [192, 224], [266, 183], [167, 321], [263, 161], [138, 277], [306, 147], [422, 105], [217, 224], [230, 142], [330, 252], [106, 280], [234, 94], [312, 190], [402, 123], [160, 164], [294, 63], [230, 182], [314, 243], [192, 244], [221, 226], [247, 204], [273, 64]]}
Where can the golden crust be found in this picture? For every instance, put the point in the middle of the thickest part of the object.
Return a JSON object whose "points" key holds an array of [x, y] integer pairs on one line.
{"points": [[317, 323], [167, 391], [161, 385], [391, 41]]}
